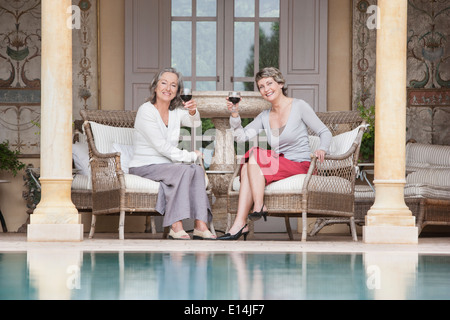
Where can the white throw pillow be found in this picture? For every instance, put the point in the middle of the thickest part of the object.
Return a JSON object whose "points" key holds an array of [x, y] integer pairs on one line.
{"points": [[126, 154], [105, 136], [80, 155], [341, 143]]}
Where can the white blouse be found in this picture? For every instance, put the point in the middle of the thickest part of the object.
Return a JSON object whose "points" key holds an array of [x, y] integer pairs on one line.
{"points": [[154, 142]]}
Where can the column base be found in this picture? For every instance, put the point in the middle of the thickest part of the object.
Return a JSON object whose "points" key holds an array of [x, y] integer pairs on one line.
{"points": [[55, 232], [390, 235]]}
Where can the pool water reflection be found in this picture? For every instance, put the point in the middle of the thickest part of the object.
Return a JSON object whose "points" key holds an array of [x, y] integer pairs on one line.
{"points": [[222, 276]]}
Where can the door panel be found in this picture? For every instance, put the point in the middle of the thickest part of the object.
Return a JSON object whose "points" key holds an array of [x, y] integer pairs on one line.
{"points": [[146, 47], [303, 47]]}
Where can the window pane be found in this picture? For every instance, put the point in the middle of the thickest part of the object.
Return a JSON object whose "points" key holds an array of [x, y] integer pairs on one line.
{"points": [[244, 8], [244, 45], [182, 47], [181, 8], [187, 84], [269, 8], [206, 49], [269, 44], [244, 86], [206, 8], [206, 86]]}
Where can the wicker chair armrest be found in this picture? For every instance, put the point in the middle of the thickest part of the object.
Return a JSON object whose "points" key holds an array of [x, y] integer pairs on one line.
{"points": [[336, 166], [309, 174], [106, 171]]}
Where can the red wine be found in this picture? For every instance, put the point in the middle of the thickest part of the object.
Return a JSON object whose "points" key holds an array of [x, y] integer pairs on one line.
{"points": [[186, 97], [234, 100]]}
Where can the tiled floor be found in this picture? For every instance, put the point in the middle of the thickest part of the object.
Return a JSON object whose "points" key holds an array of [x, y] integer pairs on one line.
{"points": [[258, 243]]}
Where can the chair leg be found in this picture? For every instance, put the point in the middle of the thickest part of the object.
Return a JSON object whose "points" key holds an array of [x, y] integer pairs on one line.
{"points": [[288, 228], [304, 229], [122, 225], [320, 223], [92, 231], [152, 222], [353, 228], [148, 225], [166, 232]]}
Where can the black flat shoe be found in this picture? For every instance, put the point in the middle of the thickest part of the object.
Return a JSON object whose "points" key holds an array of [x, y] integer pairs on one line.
{"points": [[254, 216], [228, 236]]}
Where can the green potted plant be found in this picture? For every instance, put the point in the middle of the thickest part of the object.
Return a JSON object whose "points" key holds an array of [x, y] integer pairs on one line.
{"points": [[9, 159], [367, 150]]}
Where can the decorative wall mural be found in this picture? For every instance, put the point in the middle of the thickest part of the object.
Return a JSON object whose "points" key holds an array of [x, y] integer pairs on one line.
{"points": [[20, 53], [428, 112], [364, 55], [20, 69], [429, 44], [428, 70], [85, 79]]}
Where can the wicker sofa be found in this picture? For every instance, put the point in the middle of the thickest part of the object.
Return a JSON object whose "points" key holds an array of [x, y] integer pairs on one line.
{"points": [[327, 190], [427, 189], [103, 184]]}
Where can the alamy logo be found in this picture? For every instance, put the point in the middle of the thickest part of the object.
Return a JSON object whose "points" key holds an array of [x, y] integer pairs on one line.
{"points": [[74, 21], [374, 21], [373, 281]]}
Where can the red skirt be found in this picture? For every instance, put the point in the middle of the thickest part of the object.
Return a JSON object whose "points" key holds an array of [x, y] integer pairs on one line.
{"points": [[275, 166]]}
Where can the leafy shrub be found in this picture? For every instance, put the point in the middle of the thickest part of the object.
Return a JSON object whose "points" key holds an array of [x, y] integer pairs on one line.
{"points": [[9, 160]]}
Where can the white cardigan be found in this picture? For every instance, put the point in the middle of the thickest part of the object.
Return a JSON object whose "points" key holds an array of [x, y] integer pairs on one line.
{"points": [[156, 143]]}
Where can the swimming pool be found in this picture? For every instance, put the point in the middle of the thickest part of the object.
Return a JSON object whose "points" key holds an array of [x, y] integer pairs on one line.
{"points": [[222, 276]]}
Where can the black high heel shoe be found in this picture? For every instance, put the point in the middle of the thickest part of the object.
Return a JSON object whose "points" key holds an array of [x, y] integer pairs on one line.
{"points": [[254, 216], [228, 236]]}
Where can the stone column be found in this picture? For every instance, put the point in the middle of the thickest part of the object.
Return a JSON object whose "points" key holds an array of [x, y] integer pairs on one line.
{"points": [[389, 220], [56, 218]]}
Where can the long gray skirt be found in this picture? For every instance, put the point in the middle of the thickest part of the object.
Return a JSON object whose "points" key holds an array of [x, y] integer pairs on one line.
{"points": [[182, 191]]}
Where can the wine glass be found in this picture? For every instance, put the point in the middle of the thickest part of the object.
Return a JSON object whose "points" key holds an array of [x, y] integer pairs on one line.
{"points": [[234, 97], [186, 94]]}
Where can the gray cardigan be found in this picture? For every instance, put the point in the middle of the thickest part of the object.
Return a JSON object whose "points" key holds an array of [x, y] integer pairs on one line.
{"points": [[293, 141]]}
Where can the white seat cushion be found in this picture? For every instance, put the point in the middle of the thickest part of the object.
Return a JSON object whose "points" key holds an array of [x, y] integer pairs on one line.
{"points": [[133, 183], [82, 182], [295, 184], [412, 190], [421, 155], [433, 177]]}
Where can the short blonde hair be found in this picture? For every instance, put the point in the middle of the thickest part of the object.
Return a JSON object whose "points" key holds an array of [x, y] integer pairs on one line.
{"points": [[271, 72]]}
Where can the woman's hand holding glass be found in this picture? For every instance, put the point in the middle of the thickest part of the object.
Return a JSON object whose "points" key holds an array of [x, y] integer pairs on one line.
{"points": [[189, 104], [233, 100]]}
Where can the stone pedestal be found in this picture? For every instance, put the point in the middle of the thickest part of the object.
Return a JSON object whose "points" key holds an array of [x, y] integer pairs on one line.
{"points": [[222, 168]]}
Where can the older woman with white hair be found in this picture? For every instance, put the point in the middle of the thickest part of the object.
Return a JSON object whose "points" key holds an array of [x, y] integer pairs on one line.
{"points": [[182, 192]]}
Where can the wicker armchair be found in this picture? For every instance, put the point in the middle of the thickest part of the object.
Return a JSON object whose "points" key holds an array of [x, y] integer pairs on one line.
{"points": [[115, 192], [326, 191]]}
